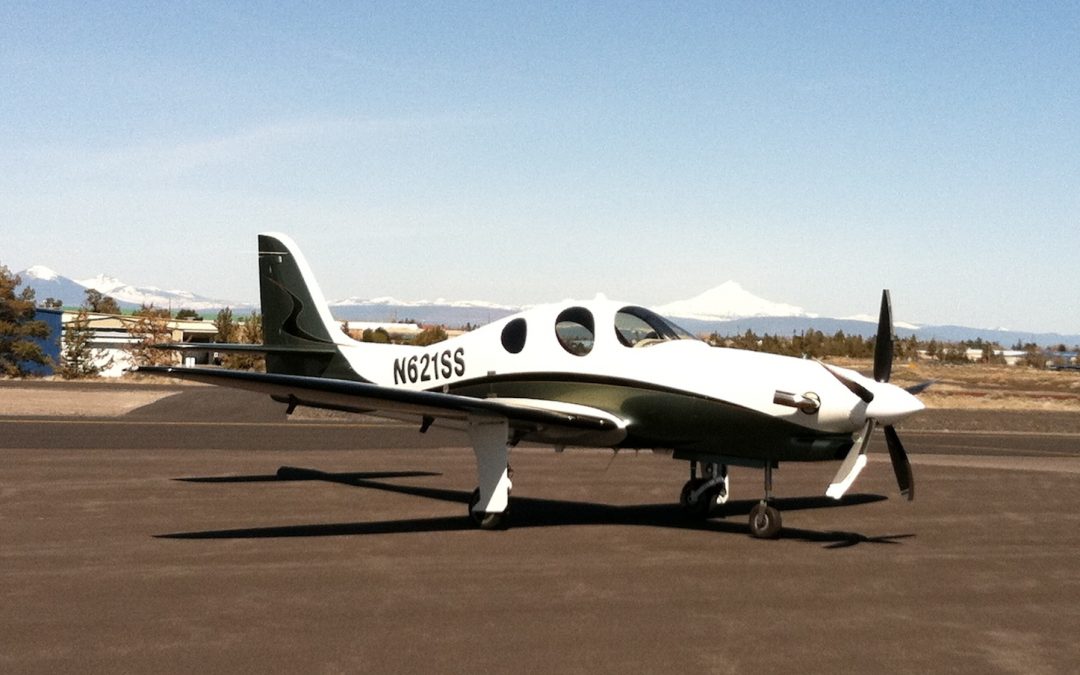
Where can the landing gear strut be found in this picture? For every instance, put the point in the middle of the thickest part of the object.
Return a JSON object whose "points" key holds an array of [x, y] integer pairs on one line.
{"points": [[765, 519], [702, 496], [489, 506]]}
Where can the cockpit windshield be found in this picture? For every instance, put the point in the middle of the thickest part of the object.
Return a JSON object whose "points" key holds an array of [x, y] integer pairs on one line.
{"points": [[640, 327]]}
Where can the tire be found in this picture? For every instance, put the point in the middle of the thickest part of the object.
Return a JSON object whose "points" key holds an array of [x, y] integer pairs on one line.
{"points": [[485, 520], [700, 508], [764, 521]]}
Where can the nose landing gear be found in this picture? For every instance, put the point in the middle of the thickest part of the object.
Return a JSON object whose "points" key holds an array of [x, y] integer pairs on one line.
{"points": [[765, 519]]}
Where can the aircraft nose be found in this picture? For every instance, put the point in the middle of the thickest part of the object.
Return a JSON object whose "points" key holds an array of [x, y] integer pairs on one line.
{"points": [[891, 404]]}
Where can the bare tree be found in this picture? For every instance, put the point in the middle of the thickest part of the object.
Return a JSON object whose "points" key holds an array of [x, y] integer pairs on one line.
{"points": [[99, 303], [79, 358], [151, 328], [430, 336]]}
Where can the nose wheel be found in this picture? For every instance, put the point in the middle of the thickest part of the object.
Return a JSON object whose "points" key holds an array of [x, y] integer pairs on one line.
{"points": [[764, 518], [764, 521]]}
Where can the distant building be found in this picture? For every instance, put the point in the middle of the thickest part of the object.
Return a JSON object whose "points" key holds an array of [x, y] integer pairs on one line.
{"points": [[111, 338], [1012, 357], [394, 330]]}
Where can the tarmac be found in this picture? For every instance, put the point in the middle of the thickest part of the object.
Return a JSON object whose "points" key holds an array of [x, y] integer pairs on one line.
{"points": [[160, 536]]}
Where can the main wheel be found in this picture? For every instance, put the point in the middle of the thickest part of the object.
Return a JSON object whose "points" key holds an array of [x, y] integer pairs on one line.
{"points": [[707, 504], [485, 520], [698, 508], [764, 521]]}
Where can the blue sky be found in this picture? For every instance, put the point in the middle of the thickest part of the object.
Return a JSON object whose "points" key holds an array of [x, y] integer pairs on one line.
{"points": [[522, 153]]}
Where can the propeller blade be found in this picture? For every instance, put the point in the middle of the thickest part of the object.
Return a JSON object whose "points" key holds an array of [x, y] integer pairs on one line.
{"points": [[900, 463], [854, 387], [920, 387], [883, 347], [852, 464]]}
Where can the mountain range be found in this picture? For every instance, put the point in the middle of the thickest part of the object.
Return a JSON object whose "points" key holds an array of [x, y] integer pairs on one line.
{"points": [[727, 309], [72, 293]]}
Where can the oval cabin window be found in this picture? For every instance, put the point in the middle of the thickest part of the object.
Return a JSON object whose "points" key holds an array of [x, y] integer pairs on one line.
{"points": [[575, 330], [513, 336]]}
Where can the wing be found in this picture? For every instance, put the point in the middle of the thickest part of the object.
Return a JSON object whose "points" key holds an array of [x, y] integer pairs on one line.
{"points": [[531, 419]]}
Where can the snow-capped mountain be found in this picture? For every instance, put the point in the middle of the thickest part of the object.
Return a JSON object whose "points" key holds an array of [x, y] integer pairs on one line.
{"points": [[440, 311], [726, 309], [151, 295], [39, 272], [439, 302], [728, 301], [896, 324], [49, 284]]}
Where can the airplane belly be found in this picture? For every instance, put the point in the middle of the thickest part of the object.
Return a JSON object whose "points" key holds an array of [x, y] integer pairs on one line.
{"points": [[671, 419]]}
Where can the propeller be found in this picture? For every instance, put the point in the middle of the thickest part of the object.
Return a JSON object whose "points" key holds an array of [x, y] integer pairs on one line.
{"points": [[883, 346], [856, 458]]}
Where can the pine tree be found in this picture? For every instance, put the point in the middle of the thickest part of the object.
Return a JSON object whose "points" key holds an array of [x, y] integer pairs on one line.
{"points": [[250, 332], [226, 326], [18, 328], [228, 332]]}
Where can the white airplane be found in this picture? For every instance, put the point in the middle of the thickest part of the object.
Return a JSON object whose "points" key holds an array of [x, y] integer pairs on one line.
{"points": [[597, 374]]}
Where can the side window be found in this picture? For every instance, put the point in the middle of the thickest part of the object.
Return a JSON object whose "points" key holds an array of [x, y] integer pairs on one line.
{"points": [[639, 327], [513, 336], [575, 330], [633, 330]]}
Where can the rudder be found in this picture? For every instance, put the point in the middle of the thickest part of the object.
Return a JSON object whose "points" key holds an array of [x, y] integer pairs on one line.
{"points": [[296, 317]]}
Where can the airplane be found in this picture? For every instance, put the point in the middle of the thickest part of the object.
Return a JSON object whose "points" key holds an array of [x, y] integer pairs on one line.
{"points": [[586, 374]]}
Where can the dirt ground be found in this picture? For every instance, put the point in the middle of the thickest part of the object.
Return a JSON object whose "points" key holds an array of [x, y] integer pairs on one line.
{"points": [[962, 397], [985, 387]]}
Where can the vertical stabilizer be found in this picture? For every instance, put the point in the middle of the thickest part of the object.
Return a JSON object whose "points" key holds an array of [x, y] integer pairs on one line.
{"points": [[296, 315]]}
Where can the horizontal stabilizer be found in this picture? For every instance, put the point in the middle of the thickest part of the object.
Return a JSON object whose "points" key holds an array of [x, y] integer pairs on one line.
{"points": [[235, 347]]}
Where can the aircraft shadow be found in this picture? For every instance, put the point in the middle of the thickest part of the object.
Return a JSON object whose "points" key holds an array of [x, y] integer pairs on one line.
{"points": [[532, 512], [284, 475]]}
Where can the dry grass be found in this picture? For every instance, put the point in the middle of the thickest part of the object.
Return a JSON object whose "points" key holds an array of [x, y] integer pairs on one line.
{"points": [[982, 387]]}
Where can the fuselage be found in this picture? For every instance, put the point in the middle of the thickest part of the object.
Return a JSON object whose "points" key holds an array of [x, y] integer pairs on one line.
{"points": [[673, 390]]}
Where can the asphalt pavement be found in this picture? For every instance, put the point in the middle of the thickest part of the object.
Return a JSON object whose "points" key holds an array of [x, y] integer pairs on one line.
{"points": [[169, 539]]}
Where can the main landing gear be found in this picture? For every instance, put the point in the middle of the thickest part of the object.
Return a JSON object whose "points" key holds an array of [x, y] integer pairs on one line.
{"points": [[702, 496], [486, 520], [489, 506]]}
